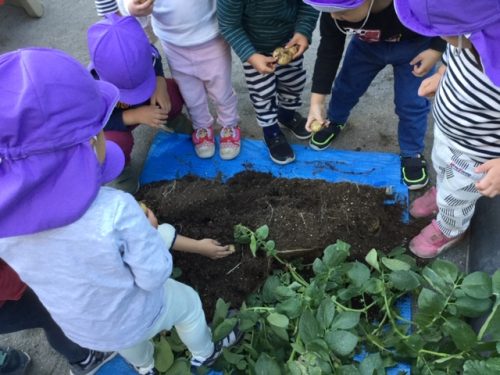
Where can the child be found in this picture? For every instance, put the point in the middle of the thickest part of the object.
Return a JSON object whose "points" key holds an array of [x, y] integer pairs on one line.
{"points": [[378, 39], [21, 309], [200, 62], [88, 252], [121, 54], [254, 28], [466, 150]]}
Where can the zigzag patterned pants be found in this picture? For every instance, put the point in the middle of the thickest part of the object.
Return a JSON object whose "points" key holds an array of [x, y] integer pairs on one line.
{"points": [[456, 189]]}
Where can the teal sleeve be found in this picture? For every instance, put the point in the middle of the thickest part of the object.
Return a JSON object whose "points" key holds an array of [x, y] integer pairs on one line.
{"points": [[230, 15], [306, 20]]}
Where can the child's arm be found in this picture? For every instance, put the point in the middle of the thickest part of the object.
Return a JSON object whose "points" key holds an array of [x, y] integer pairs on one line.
{"points": [[207, 247], [429, 86], [489, 185], [160, 96], [150, 115], [425, 60], [137, 8]]}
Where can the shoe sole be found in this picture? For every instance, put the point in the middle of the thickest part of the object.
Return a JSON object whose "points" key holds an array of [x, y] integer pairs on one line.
{"points": [[318, 148], [282, 162], [94, 371], [301, 137], [230, 157], [414, 187], [440, 250]]}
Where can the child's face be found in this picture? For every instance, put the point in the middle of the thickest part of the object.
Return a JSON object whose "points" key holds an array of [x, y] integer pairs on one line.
{"points": [[454, 41], [99, 144], [353, 15]]}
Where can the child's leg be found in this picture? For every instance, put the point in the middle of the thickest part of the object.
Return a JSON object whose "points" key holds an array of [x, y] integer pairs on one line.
{"points": [[182, 309], [361, 64], [176, 99]]}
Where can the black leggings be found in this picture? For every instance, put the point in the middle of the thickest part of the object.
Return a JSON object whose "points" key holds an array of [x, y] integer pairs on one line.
{"points": [[27, 313]]}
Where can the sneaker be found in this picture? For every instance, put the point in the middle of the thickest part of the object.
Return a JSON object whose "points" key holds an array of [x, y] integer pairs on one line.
{"points": [[203, 141], [231, 339], [149, 370], [321, 140], [297, 126], [13, 362], [414, 172], [426, 205], [431, 241], [92, 364], [230, 138], [280, 150]]}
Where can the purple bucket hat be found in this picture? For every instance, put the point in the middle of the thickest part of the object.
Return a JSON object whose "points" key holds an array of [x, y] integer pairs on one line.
{"points": [[50, 108], [480, 18], [121, 54], [332, 6]]}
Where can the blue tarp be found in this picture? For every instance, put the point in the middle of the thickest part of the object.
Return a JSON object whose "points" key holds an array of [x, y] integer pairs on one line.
{"points": [[172, 156]]}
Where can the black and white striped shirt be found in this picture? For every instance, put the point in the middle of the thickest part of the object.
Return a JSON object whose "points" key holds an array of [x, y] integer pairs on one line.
{"points": [[467, 106], [104, 7]]}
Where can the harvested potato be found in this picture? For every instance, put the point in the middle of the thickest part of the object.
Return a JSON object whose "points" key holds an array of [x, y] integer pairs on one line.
{"points": [[285, 55], [144, 208], [231, 248], [316, 126]]}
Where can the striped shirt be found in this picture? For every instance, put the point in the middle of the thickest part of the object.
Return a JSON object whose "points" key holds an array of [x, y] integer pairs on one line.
{"points": [[104, 7], [467, 106], [260, 26]]}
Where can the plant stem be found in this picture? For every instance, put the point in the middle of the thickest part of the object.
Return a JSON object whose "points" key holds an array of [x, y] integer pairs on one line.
{"points": [[345, 308], [388, 310]]}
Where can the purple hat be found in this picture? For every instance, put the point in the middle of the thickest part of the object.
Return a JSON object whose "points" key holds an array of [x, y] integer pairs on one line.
{"points": [[480, 18], [121, 54], [332, 6], [50, 108]]}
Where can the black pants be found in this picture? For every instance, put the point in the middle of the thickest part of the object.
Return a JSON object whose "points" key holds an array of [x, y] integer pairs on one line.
{"points": [[28, 313]]}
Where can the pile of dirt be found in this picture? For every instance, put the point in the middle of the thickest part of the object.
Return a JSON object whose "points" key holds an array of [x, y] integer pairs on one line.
{"points": [[304, 215]]}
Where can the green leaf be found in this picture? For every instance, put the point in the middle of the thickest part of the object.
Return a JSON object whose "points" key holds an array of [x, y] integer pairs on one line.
{"points": [[404, 280], [372, 364], [335, 254], [232, 358], [220, 313], [291, 307], [253, 245], [341, 342], [373, 286], [278, 320], [270, 246], [180, 367], [491, 327], [349, 370], [308, 326], [346, 320], [439, 284], [477, 285], [164, 358], [280, 333], [430, 302], [358, 274], [472, 307], [372, 259], [486, 367], [223, 329], [284, 292], [325, 313], [495, 281], [262, 232], [461, 333], [395, 264], [447, 270], [176, 273], [266, 365], [269, 289], [296, 368], [319, 267]]}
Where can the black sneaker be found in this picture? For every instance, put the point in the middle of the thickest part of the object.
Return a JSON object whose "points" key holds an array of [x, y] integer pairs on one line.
{"points": [[280, 150], [414, 172], [321, 140], [13, 362], [231, 339], [297, 126], [92, 364]]}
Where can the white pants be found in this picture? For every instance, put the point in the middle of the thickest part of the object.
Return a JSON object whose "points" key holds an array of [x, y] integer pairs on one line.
{"points": [[456, 189], [184, 312]]}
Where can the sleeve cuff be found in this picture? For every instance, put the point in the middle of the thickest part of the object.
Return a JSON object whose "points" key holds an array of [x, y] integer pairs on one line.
{"points": [[168, 234]]}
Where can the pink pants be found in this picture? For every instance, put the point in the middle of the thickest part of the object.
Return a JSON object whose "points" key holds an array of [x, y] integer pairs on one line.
{"points": [[125, 139], [205, 71]]}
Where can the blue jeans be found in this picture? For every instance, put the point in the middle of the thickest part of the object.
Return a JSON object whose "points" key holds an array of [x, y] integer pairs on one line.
{"points": [[362, 62]]}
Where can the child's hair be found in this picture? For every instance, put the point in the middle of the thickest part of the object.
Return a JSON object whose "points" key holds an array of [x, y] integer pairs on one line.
{"points": [[480, 19], [121, 54], [48, 168]]}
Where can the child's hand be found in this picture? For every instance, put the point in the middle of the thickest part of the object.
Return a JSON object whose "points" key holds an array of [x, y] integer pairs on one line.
{"points": [[262, 64], [429, 86], [316, 113], [212, 249], [152, 218], [300, 41], [489, 185], [140, 8], [150, 115], [160, 96], [424, 61]]}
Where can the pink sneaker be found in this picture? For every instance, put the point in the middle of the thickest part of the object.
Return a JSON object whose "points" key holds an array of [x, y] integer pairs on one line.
{"points": [[431, 241], [426, 205], [203, 141], [230, 138]]}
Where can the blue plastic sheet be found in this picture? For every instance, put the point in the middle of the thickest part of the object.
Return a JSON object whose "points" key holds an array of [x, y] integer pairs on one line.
{"points": [[171, 156]]}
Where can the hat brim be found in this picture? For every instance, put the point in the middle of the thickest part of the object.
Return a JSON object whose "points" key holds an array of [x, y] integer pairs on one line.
{"points": [[113, 163], [409, 20], [141, 93], [111, 95]]}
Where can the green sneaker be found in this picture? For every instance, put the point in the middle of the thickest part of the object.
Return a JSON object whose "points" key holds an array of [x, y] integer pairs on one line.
{"points": [[414, 172], [321, 140]]}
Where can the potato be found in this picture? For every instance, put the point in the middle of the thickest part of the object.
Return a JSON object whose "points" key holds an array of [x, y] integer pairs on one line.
{"points": [[285, 55], [231, 248], [316, 126]]}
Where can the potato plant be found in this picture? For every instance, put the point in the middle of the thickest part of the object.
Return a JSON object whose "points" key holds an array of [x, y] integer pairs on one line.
{"points": [[317, 324]]}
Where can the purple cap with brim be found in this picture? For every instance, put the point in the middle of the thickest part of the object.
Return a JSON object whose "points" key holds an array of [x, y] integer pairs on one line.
{"points": [[50, 108], [121, 54], [332, 6], [480, 19]]}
